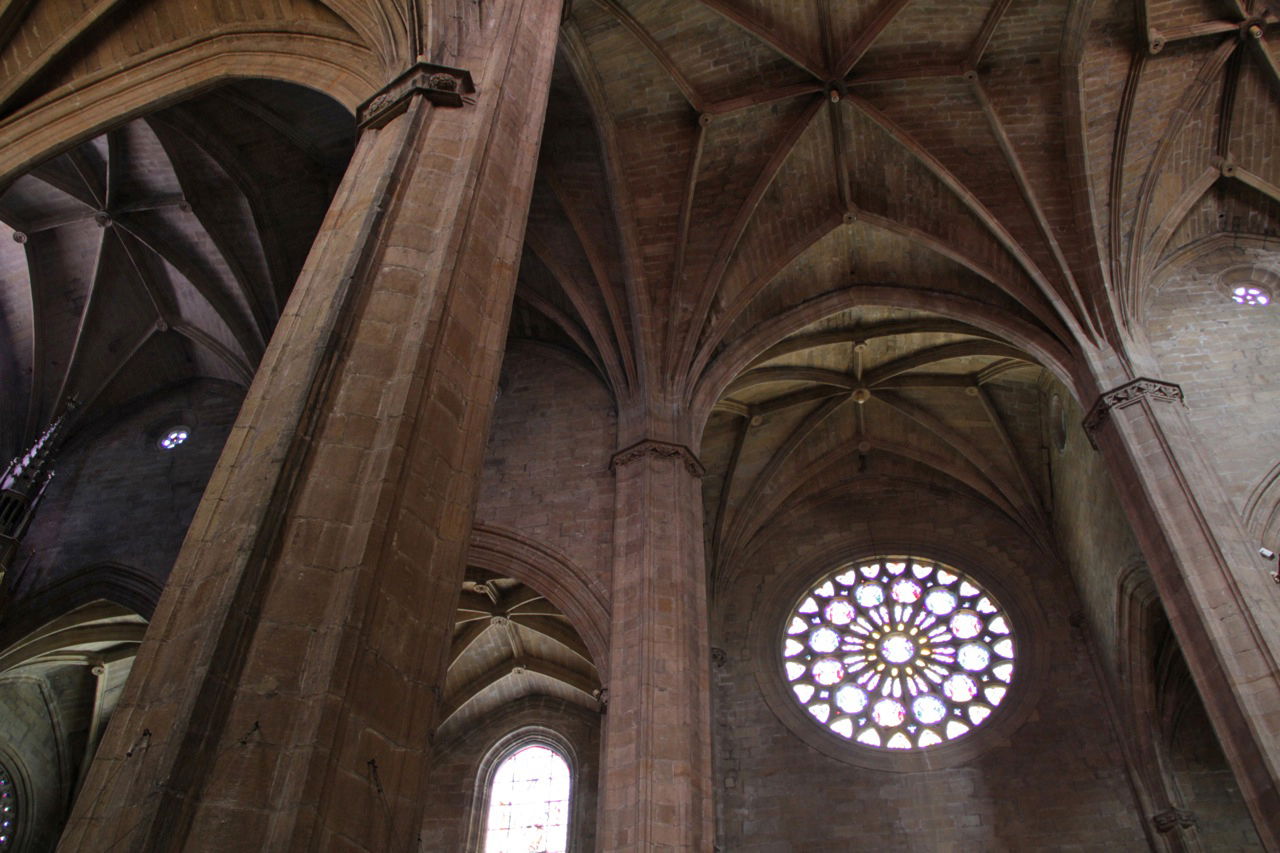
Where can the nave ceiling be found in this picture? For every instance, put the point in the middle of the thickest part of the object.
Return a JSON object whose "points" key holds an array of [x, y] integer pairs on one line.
{"points": [[731, 195], [999, 187]]}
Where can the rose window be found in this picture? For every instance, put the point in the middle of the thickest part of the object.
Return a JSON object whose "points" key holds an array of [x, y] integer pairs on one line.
{"points": [[1247, 294], [8, 809], [899, 653]]}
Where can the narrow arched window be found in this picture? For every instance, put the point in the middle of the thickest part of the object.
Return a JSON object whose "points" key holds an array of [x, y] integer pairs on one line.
{"points": [[529, 803]]}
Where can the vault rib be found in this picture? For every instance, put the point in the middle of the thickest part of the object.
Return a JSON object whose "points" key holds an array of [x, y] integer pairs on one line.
{"points": [[642, 35], [974, 205], [95, 288], [1031, 494], [686, 216], [1025, 516], [940, 353], [1028, 194], [1195, 92], [710, 285], [554, 629], [884, 16], [726, 487], [90, 398], [606, 285], [571, 328], [60, 45], [597, 326], [764, 35], [579, 57], [758, 484], [983, 39]]}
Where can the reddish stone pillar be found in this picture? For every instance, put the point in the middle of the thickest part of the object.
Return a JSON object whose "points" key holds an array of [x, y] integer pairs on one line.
{"points": [[285, 693], [1218, 594], [656, 769]]}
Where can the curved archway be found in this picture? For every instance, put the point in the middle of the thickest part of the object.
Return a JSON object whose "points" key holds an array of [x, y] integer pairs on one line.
{"points": [[50, 127], [554, 575], [727, 364], [59, 685]]}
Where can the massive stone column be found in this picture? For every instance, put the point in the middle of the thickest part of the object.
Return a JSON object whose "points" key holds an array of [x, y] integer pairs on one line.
{"points": [[656, 768], [1218, 594], [285, 693]]}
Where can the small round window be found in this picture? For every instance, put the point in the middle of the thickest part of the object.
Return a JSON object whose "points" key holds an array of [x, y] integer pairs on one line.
{"points": [[173, 437], [898, 653], [1251, 294]]}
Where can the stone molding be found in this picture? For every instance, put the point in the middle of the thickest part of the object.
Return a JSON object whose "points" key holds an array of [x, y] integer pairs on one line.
{"points": [[1171, 818], [1125, 395], [439, 84], [660, 449]]}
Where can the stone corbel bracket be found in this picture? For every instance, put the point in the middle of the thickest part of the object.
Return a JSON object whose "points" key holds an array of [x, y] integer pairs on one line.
{"points": [[1168, 819], [1127, 394], [439, 84], [660, 449]]}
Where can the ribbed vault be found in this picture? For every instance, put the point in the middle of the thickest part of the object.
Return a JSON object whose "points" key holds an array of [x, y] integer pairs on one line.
{"points": [[510, 641], [161, 251], [711, 166], [874, 393]]}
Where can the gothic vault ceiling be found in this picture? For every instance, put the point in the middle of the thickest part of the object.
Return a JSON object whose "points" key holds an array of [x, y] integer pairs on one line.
{"points": [[858, 234], [836, 232], [719, 174], [161, 251], [510, 641]]}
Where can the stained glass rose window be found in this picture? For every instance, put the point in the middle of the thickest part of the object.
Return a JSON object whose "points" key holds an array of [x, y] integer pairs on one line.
{"points": [[899, 653], [8, 809]]}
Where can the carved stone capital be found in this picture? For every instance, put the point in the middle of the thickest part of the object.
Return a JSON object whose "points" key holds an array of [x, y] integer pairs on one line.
{"points": [[439, 84], [1127, 395], [1172, 818], [660, 449]]}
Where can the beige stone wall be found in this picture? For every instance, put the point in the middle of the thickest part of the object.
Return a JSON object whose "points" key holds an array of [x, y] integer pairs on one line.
{"points": [[42, 728], [1224, 355], [1099, 551]]}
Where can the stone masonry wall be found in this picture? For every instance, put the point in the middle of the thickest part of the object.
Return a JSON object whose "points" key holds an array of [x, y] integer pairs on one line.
{"points": [[546, 470], [458, 764], [43, 719], [1098, 547], [1057, 780], [117, 498], [1096, 542], [1224, 356]]}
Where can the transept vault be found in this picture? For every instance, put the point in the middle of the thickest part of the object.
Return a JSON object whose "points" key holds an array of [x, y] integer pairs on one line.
{"points": [[639, 424]]}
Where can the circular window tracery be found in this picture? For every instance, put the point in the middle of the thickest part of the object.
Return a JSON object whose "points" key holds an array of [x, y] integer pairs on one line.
{"points": [[1251, 294], [8, 809], [173, 437], [898, 653]]}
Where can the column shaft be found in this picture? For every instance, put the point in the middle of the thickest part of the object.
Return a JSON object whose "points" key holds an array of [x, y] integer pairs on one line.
{"points": [[657, 790], [1216, 591], [285, 693]]}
